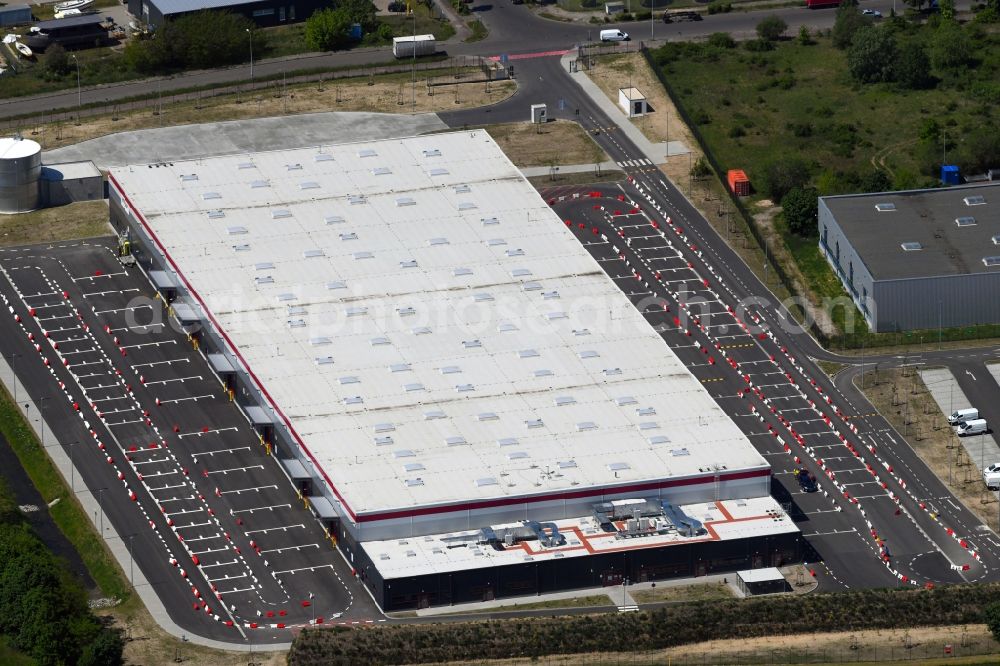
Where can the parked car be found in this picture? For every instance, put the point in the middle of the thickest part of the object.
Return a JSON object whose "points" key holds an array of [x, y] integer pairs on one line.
{"points": [[960, 416], [807, 481], [973, 427]]}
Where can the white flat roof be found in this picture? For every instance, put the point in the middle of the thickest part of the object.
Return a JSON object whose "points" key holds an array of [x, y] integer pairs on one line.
{"points": [[457, 551], [631, 93], [760, 575], [427, 325]]}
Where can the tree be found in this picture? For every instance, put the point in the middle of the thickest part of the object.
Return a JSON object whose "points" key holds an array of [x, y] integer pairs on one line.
{"points": [[771, 28], [847, 22], [947, 8], [701, 169], [56, 62], [913, 67], [327, 30], [783, 175], [876, 181], [104, 650], [991, 616], [950, 47], [805, 37], [359, 11], [872, 55], [801, 210]]}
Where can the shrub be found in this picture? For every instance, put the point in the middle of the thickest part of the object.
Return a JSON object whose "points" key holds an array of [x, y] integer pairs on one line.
{"points": [[721, 40], [589, 4], [719, 7], [624, 16], [758, 45], [397, 6], [736, 132], [771, 28], [643, 16], [783, 175]]}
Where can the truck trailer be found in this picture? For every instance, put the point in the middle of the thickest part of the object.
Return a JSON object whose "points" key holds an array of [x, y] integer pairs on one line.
{"points": [[418, 45]]}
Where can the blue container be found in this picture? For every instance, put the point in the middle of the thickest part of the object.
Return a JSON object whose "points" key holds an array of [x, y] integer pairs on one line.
{"points": [[950, 175], [356, 31]]}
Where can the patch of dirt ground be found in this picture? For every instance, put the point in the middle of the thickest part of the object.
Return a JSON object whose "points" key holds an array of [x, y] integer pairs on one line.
{"points": [[390, 93], [551, 144], [86, 219], [663, 124]]}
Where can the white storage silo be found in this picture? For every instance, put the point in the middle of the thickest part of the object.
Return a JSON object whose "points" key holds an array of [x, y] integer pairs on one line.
{"points": [[20, 170]]}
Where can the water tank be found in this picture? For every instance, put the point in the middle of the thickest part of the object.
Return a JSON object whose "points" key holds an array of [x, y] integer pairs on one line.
{"points": [[20, 170]]}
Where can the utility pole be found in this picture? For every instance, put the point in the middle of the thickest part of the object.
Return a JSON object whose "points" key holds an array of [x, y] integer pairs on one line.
{"points": [[251, 57]]}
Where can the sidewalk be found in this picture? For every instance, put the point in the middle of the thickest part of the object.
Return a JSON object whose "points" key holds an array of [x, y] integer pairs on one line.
{"points": [[117, 545], [529, 172], [654, 152], [982, 449]]}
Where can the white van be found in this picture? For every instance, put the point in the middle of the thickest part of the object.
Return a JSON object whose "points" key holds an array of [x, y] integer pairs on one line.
{"points": [[614, 35], [963, 415], [973, 427]]}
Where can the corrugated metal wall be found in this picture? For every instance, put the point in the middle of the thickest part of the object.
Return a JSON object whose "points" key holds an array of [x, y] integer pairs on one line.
{"points": [[847, 264]]}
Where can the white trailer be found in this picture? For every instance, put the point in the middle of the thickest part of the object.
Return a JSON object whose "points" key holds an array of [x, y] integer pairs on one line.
{"points": [[407, 47]]}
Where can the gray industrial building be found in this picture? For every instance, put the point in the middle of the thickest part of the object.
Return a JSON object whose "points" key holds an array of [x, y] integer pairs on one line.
{"points": [[917, 259]]}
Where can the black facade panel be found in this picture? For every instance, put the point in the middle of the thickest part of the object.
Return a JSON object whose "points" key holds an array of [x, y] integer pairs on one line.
{"points": [[608, 569]]}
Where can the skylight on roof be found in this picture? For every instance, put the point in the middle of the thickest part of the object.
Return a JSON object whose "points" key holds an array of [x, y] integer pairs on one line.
{"points": [[324, 360], [379, 341], [349, 379], [625, 400], [617, 466], [464, 388], [450, 370], [434, 414], [349, 235], [659, 439], [403, 453], [432, 152], [420, 330], [293, 167], [367, 152], [489, 221], [264, 265], [310, 254], [438, 171], [462, 189], [965, 221], [996, 239], [507, 441], [381, 171], [355, 199], [323, 157], [563, 400], [408, 263], [531, 424], [457, 440], [309, 185], [461, 272], [354, 400], [384, 427], [588, 353], [400, 367], [280, 213], [242, 247], [467, 205], [384, 440], [405, 201], [517, 252], [264, 279], [517, 455], [885, 207], [974, 200], [258, 184], [583, 426], [336, 284], [437, 241], [520, 272], [363, 255], [247, 165], [487, 416], [472, 344], [210, 195], [413, 483], [528, 353], [911, 246], [413, 467], [215, 214], [493, 242], [334, 219], [188, 177], [566, 464], [486, 481], [542, 373], [991, 262], [233, 231], [531, 286], [482, 297], [316, 342], [411, 388]]}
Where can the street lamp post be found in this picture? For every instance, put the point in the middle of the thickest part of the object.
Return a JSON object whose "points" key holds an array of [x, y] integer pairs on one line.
{"points": [[100, 505], [72, 469], [79, 91], [131, 579], [251, 57]]}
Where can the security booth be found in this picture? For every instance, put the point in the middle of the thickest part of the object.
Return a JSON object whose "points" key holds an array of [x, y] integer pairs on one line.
{"points": [[632, 102], [761, 581]]}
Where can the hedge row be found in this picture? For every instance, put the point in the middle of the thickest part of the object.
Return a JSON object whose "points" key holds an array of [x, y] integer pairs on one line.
{"points": [[652, 630]]}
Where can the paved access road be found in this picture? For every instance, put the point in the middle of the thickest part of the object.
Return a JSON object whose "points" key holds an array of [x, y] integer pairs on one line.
{"points": [[213, 524], [513, 29]]}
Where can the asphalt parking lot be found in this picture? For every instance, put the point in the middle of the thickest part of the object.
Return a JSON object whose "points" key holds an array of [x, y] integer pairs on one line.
{"points": [[180, 474], [866, 532]]}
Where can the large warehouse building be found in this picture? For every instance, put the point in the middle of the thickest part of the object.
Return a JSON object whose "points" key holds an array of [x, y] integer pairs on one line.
{"points": [[262, 12], [469, 403], [917, 259]]}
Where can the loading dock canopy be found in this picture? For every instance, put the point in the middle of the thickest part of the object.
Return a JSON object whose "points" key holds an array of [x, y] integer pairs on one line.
{"points": [[295, 469], [220, 364], [258, 416], [185, 314], [323, 507], [161, 280]]}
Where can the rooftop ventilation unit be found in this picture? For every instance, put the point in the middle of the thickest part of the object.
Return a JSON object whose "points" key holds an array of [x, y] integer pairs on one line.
{"points": [[500, 538]]}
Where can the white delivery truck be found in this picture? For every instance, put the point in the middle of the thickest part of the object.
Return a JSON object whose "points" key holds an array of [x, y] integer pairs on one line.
{"points": [[963, 415], [614, 35], [407, 47], [973, 427], [991, 475]]}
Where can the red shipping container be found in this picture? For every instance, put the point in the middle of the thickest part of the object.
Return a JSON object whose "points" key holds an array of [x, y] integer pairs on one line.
{"points": [[739, 184]]}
